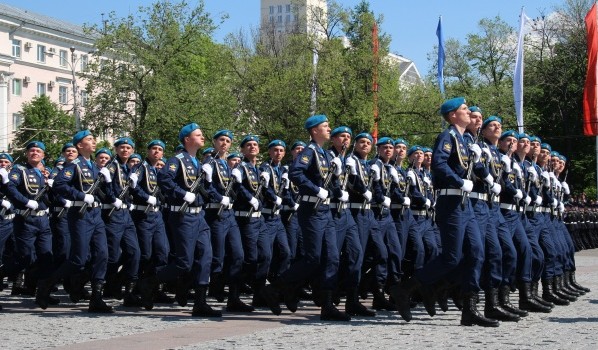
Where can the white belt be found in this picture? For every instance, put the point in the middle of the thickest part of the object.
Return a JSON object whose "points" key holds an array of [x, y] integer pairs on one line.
{"points": [[8, 216], [544, 210], [217, 206], [508, 206], [289, 208], [190, 210], [419, 212], [477, 195], [110, 206], [398, 206], [536, 210], [58, 209], [451, 192], [82, 203], [314, 199], [245, 214], [143, 207], [270, 211], [33, 212], [359, 206]]}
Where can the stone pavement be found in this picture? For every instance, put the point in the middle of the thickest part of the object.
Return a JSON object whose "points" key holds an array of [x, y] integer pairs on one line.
{"points": [[23, 326]]}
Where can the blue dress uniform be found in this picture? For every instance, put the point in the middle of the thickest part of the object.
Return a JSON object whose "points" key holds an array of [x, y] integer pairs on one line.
{"points": [[429, 231], [61, 237], [6, 215], [288, 215]]}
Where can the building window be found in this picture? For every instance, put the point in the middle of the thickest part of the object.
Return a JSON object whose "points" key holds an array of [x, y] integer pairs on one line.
{"points": [[288, 8], [287, 19], [279, 19], [17, 120], [84, 63], [63, 94], [295, 18], [279, 8], [41, 53], [17, 86], [84, 98], [41, 89], [271, 19], [271, 10], [64, 58], [16, 48]]}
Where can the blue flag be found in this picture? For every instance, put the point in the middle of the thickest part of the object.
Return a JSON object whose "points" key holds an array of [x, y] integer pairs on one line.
{"points": [[440, 55]]}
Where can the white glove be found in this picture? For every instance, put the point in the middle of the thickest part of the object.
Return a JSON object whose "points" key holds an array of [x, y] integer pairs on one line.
{"points": [[278, 201], [352, 164], [394, 174], [386, 202], [412, 177], [376, 170], [554, 203], [338, 166], [533, 174], [50, 182], [106, 174], [566, 187], [296, 206], [151, 200], [539, 200], [4, 175], [518, 195], [496, 188], [427, 181], [368, 195], [344, 196], [527, 200], [285, 179], [6, 204], [477, 152], [489, 179], [67, 203], [428, 203], [406, 201], [265, 176], [467, 185], [225, 201], [236, 174], [254, 203], [189, 197], [561, 207], [517, 169], [207, 169], [134, 179], [545, 178], [117, 203], [32, 204], [557, 185], [506, 162], [322, 194], [488, 153], [89, 199]]}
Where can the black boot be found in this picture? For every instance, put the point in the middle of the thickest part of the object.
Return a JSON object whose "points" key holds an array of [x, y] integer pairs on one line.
{"points": [[380, 302], [216, 289], [113, 287], [77, 286], [234, 303], [557, 284], [470, 315], [536, 295], [401, 294], [527, 301], [549, 295], [19, 287], [130, 299], [200, 306], [575, 284], [182, 290], [504, 298], [569, 287], [354, 308], [42, 295], [147, 286], [161, 297], [493, 310], [329, 312], [97, 304], [271, 295]]}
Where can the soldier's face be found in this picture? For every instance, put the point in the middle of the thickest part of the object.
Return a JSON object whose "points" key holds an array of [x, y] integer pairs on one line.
{"points": [[5, 163], [35, 155], [401, 151], [523, 146], [124, 151], [321, 132], [222, 144], [195, 139], [508, 144], [341, 139], [102, 159], [386, 152], [534, 148], [461, 116], [492, 131], [295, 152], [417, 158], [427, 159], [251, 148], [276, 153], [232, 162], [155, 153], [475, 122], [87, 145], [544, 155], [363, 146], [70, 154], [132, 162], [159, 165]]}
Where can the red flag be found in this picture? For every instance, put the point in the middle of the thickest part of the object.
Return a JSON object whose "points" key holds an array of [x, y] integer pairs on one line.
{"points": [[590, 91]]}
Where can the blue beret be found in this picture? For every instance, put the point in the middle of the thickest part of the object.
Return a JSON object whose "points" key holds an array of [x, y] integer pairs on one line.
{"points": [[554, 154], [385, 141], [534, 139], [80, 136], [524, 136], [179, 147], [340, 130], [277, 143], [234, 155], [364, 135], [451, 105], [59, 160], [249, 138], [208, 150], [509, 133], [124, 141], [414, 149], [473, 109], [546, 146], [104, 150], [37, 144], [400, 140], [297, 144], [6, 156], [187, 129], [490, 119], [315, 120], [427, 149], [156, 142], [135, 156], [67, 145], [563, 158], [224, 132]]}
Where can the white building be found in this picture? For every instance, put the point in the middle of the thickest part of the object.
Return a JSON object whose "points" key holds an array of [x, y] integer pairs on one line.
{"points": [[38, 55], [284, 16]]}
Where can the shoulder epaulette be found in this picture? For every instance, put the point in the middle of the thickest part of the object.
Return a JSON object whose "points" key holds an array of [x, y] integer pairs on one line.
{"points": [[20, 167], [311, 145], [76, 161], [180, 156], [452, 132]]}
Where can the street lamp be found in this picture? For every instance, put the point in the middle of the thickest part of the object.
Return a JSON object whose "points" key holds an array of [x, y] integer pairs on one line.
{"points": [[75, 104]]}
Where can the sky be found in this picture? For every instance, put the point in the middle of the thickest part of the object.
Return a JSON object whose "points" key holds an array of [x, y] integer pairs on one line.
{"points": [[410, 24]]}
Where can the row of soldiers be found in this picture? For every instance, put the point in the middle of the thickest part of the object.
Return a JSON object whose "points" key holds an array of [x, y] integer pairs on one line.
{"points": [[483, 210]]}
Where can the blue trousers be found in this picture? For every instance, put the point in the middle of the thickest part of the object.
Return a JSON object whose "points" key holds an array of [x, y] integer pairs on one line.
{"points": [[275, 244], [532, 229], [123, 246], [61, 238], [226, 243], [524, 250], [33, 243], [492, 269], [253, 237], [6, 229], [349, 245], [153, 242], [392, 272], [291, 225]]}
